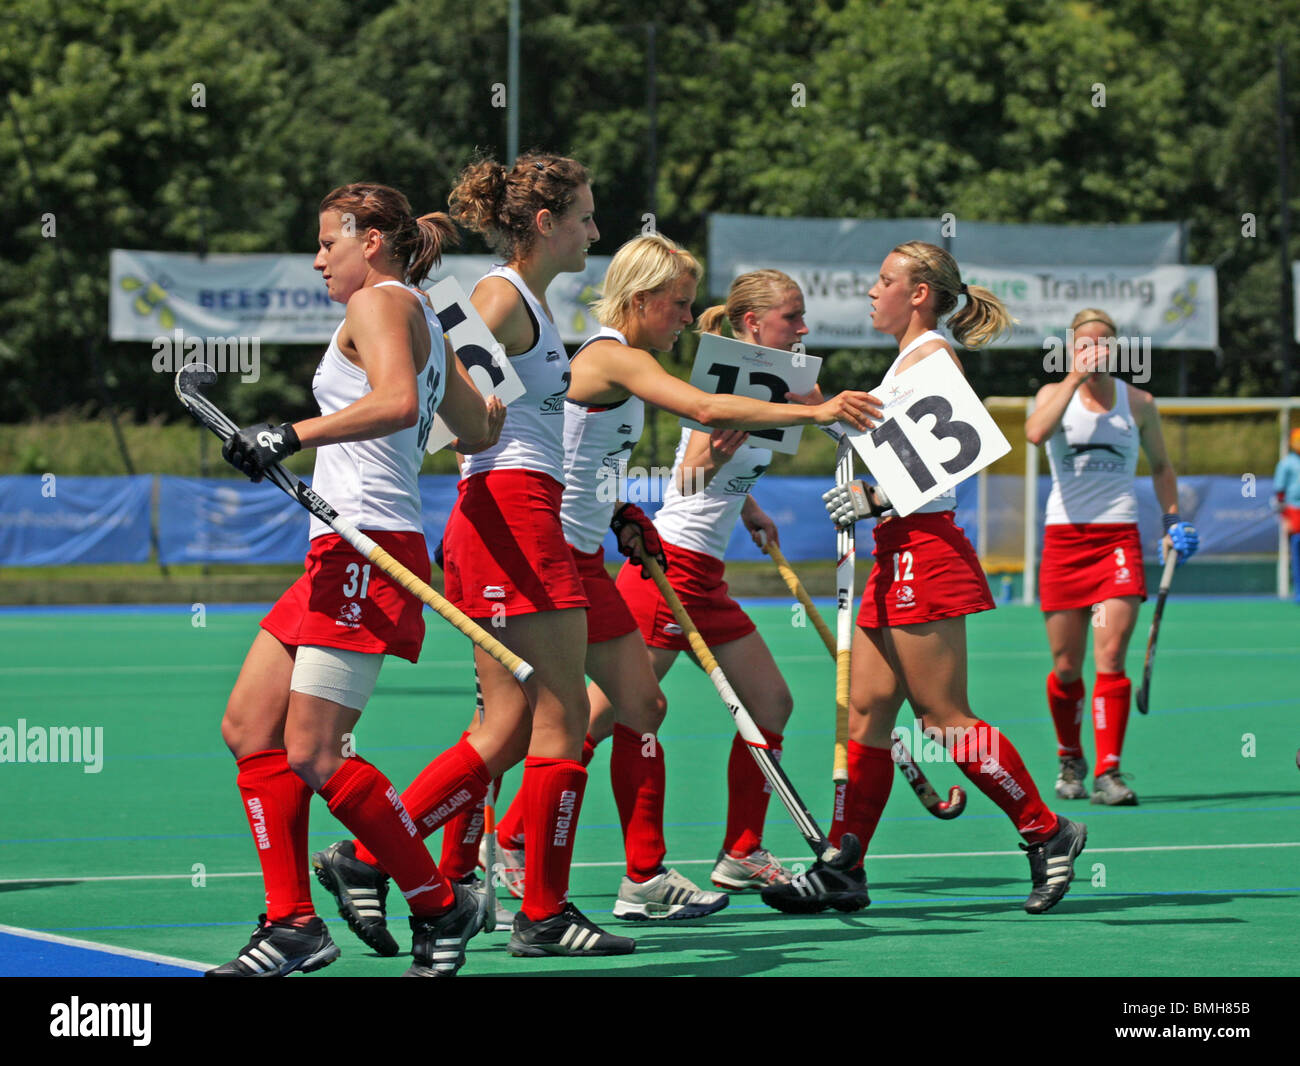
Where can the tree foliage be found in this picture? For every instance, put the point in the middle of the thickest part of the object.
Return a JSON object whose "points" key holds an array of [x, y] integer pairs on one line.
{"points": [[840, 108]]}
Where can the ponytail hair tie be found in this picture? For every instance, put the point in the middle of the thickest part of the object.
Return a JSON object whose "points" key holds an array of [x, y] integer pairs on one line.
{"points": [[963, 290]]}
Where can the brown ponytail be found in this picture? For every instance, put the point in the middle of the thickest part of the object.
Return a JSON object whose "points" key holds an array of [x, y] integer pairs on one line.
{"points": [[502, 204], [416, 244], [711, 318]]}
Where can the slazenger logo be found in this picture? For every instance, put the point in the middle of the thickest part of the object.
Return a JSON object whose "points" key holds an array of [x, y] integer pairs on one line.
{"points": [[75, 1018], [553, 403], [494, 592], [349, 616], [568, 800]]}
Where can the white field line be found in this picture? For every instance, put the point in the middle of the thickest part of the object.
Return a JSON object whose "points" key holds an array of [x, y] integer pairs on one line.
{"points": [[693, 862]]}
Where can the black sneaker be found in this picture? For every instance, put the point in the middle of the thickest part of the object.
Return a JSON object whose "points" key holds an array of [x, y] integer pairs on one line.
{"points": [[360, 891], [568, 933], [1051, 865], [819, 888], [279, 948], [438, 944]]}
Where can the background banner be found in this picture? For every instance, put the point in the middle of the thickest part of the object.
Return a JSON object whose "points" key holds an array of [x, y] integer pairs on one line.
{"points": [[280, 298], [49, 520]]}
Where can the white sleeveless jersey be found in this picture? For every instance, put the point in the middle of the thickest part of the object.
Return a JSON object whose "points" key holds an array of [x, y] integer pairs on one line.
{"points": [[597, 442], [1093, 456], [533, 435], [703, 521], [374, 483], [948, 501]]}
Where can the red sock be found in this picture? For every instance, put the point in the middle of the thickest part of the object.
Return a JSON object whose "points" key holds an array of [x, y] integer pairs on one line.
{"points": [[985, 755], [1110, 706], [1066, 703], [636, 769], [871, 776], [457, 778], [365, 801], [510, 829], [276, 801], [747, 795], [461, 834], [552, 794]]}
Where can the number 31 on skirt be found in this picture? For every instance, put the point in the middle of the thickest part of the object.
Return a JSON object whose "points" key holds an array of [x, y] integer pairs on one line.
{"points": [[935, 433]]}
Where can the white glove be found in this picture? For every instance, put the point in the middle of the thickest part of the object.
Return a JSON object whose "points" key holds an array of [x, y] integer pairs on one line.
{"points": [[850, 503]]}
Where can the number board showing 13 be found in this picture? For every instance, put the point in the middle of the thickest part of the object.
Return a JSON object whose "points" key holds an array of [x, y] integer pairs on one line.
{"points": [[724, 365], [935, 433]]}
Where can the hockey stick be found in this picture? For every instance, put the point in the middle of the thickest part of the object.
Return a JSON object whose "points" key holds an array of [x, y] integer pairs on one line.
{"points": [[945, 809], [489, 825], [846, 551], [841, 858], [912, 774], [190, 381], [797, 590], [1166, 579]]}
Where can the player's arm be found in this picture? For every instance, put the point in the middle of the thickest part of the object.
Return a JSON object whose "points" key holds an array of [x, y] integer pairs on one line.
{"points": [[503, 312], [1163, 478], [378, 327], [759, 523], [1049, 407], [639, 373], [705, 455], [1179, 534]]}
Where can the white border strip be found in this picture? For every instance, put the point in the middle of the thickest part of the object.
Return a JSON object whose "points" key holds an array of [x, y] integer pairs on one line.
{"points": [[130, 953]]}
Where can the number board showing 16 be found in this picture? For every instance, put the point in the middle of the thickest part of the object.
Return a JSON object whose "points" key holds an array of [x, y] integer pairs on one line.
{"points": [[479, 351], [723, 365], [934, 433]]}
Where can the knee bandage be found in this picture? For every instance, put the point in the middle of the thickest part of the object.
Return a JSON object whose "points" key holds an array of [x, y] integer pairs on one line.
{"points": [[339, 675]]}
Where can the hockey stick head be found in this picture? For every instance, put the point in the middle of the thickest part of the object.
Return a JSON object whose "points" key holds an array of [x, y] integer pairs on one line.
{"points": [[191, 380], [846, 856], [952, 807]]}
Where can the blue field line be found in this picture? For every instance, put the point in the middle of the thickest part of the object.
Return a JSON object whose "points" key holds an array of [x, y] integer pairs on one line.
{"points": [[25, 956]]}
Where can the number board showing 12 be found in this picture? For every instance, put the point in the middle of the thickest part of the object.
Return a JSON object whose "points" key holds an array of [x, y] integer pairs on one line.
{"points": [[935, 433], [724, 365], [479, 351]]}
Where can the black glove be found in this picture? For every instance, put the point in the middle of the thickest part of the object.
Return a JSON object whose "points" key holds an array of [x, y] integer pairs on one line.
{"points": [[254, 448], [630, 516]]}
